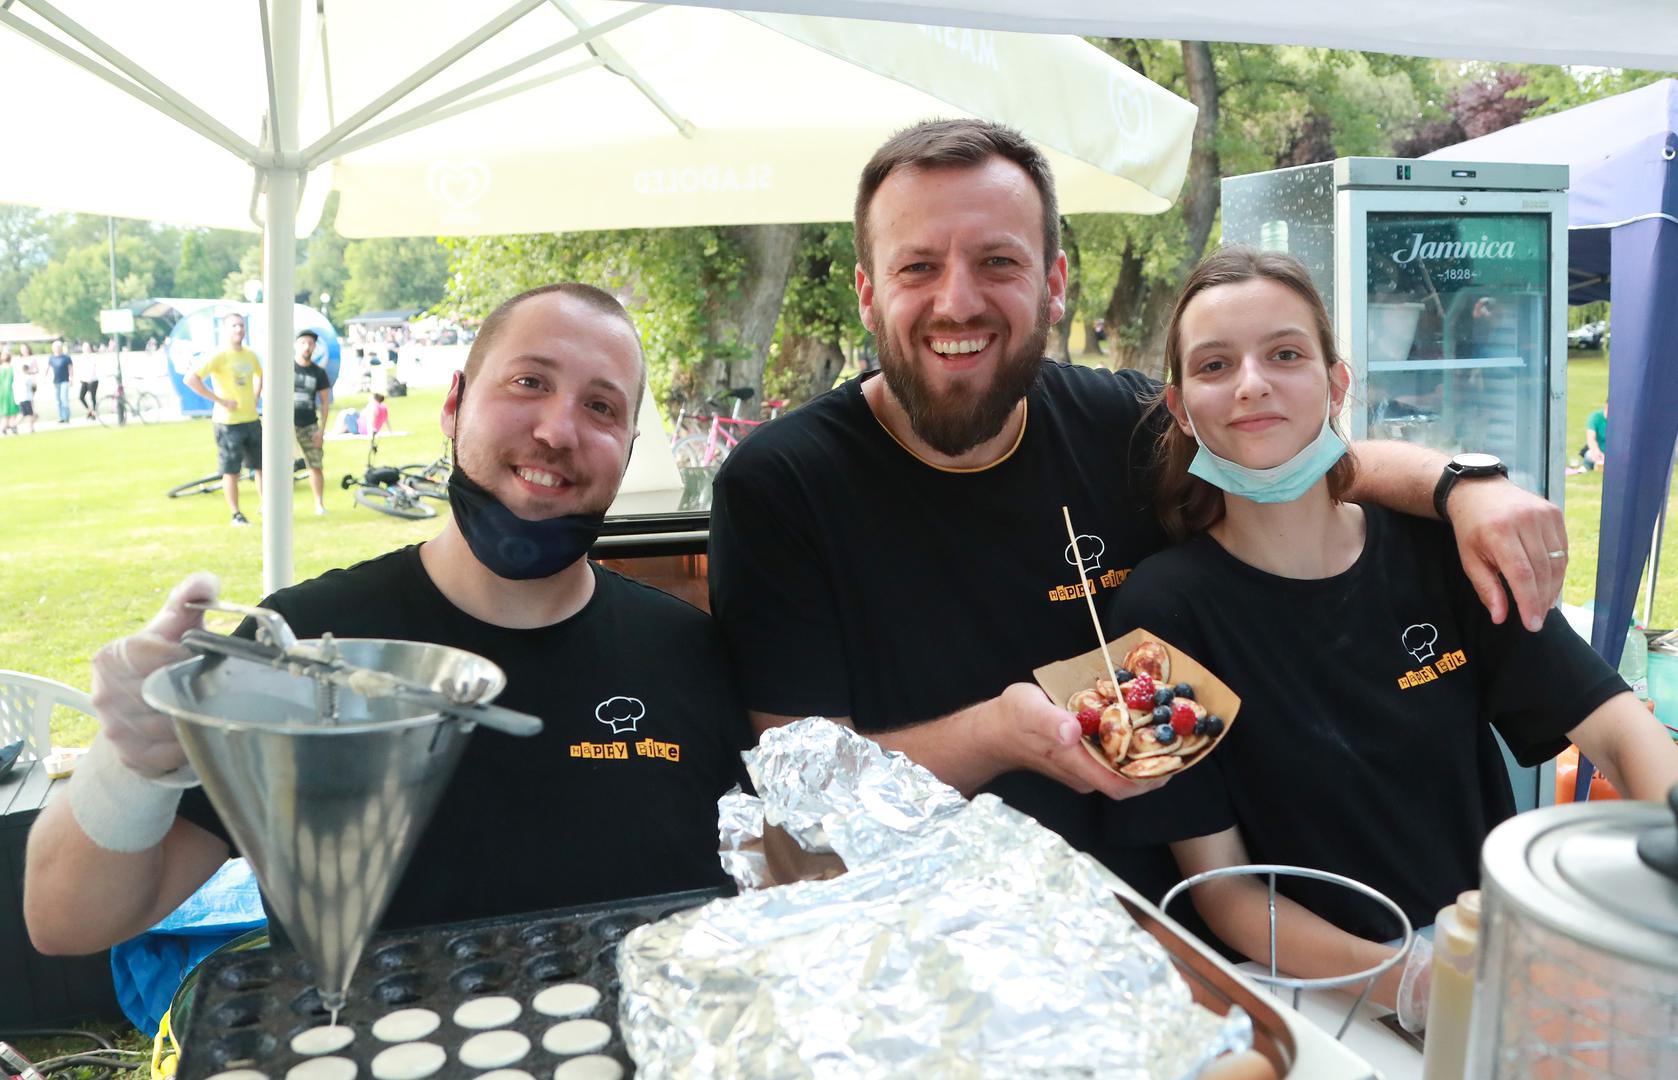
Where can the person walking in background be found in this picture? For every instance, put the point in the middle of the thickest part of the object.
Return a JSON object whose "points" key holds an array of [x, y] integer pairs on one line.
{"points": [[59, 362], [311, 399], [23, 389], [8, 403], [237, 375], [87, 375]]}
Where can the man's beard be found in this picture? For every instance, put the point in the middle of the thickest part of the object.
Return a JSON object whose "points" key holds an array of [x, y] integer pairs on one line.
{"points": [[956, 421]]}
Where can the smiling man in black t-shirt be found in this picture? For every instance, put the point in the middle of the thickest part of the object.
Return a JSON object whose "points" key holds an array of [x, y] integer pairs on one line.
{"points": [[642, 726], [893, 553]]}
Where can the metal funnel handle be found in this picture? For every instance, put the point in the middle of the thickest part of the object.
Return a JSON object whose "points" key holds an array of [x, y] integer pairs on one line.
{"points": [[270, 625]]}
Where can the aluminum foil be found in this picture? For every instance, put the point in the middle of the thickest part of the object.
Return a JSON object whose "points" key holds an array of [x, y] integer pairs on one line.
{"points": [[965, 940]]}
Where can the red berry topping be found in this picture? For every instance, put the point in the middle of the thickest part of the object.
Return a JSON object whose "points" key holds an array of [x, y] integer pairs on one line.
{"points": [[1139, 692], [1089, 718], [1183, 718]]}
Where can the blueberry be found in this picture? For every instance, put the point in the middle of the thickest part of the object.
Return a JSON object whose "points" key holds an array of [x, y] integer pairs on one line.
{"points": [[1214, 725], [1184, 690], [1162, 714], [1165, 734], [1163, 696], [1201, 727], [1121, 675]]}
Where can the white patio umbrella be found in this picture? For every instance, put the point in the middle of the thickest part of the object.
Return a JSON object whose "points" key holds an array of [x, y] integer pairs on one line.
{"points": [[432, 118]]}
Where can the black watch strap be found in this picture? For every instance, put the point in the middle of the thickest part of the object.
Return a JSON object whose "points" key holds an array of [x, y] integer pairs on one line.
{"points": [[1464, 466]]}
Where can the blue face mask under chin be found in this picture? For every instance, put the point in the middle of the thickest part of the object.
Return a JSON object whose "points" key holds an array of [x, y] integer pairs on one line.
{"points": [[1278, 484]]}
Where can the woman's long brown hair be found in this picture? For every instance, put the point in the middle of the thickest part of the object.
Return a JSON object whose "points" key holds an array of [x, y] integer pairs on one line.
{"points": [[1187, 504]]}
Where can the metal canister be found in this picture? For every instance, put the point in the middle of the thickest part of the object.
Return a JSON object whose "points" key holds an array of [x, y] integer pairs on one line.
{"points": [[1579, 965]]}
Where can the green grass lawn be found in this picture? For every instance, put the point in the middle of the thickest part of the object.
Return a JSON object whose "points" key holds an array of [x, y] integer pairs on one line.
{"points": [[89, 545]]}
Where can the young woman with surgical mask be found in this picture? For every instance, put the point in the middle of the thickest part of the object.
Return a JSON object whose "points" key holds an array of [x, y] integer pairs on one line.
{"points": [[1370, 675]]}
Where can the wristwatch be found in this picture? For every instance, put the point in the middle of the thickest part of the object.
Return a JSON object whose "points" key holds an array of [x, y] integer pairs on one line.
{"points": [[1464, 467]]}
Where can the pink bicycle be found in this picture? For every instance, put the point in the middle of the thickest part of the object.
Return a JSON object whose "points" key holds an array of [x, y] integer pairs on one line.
{"points": [[699, 450]]}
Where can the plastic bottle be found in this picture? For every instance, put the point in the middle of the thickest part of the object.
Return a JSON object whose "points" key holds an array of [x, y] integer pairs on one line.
{"points": [[1450, 1002]]}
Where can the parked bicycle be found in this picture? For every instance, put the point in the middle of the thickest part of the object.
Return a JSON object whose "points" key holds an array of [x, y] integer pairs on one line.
{"points": [[207, 485], [431, 478], [386, 489], [112, 408], [721, 433]]}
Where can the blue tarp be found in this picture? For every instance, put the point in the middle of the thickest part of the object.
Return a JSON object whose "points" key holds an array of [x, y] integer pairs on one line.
{"points": [[148, 969], [1623, 247]]}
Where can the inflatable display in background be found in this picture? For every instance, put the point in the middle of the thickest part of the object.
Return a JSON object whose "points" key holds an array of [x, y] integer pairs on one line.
{"points": [[199, 334]]}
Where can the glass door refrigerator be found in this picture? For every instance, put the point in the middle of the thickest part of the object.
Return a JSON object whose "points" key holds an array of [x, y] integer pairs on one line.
{"points": [[1448, 286]]}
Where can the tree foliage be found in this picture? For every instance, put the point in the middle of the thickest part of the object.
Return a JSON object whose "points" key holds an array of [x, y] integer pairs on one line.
{"points": [[67, 294], [391, 273]]}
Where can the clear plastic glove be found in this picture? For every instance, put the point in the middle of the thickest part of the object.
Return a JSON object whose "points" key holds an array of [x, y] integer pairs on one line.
{"points": [[143, 738], [1414, 986]]}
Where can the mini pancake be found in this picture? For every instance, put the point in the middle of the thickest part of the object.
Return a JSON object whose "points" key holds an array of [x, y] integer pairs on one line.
{"points": [[1106, 688], [493, 1049], [406, 1025], [1144, 743], [408, 1061], [1149, 767], [240, 1074], [506, 1074], [323, 1068], [566, 999], [488, 1012], [1189, 745], [1114, 733], [1085, 699], [1150, 658], [326, 1039], [576, 1037], [588, 1067]]}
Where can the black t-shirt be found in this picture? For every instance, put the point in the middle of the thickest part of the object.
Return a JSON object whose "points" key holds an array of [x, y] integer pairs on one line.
{"points": [[852, 579], [306, 384], [1363, 744], [642, 730]]}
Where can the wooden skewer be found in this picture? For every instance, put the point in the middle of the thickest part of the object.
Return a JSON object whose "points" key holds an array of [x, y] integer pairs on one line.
{"points": [[1089, 599]]}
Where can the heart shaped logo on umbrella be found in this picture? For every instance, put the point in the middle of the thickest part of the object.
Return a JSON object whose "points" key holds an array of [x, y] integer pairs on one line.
{"points": [[1133, 112], [458, 183]]}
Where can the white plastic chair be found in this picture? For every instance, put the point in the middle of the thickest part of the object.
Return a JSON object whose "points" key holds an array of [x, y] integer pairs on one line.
{"points": [[26, 704]]}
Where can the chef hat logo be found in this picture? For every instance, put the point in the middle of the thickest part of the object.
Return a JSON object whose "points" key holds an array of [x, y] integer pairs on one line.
{"points": [[1091, 548], [621, 714], [1419, 640]]}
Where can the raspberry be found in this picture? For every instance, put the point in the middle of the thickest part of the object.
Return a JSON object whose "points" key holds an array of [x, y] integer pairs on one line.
{"points": [[1183, 718], [1139, 692], [1090, 720]]}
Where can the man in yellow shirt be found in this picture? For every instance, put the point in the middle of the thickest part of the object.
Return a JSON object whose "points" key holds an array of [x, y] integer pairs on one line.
{"points": [[236, 375]]}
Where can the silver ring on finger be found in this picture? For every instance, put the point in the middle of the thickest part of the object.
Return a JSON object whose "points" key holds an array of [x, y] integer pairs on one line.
{"points": [[1557, 554]]}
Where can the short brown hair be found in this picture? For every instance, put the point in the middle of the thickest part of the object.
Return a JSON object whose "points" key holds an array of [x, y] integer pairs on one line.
{"points": [[1187, 504], [597, 299], [936, 144]]}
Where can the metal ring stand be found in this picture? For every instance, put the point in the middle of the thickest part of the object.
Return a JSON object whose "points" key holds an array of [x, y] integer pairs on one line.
{"points": [[1272, 870]]}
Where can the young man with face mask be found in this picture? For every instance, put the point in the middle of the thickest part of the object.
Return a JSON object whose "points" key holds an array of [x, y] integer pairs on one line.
{"points": [[542, 421], [893, 553]]}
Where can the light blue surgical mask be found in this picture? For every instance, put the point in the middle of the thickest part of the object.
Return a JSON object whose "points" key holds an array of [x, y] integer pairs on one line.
{"points": [[1278, 484]]}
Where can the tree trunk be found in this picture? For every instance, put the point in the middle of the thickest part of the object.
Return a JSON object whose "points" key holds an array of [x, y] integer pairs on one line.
{"points": [[813, 363], [1060, 335], [1139, 309], [769, 251]]}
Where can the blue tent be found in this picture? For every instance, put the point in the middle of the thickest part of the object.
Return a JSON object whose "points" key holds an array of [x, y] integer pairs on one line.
{"points": [[1623, 247]]}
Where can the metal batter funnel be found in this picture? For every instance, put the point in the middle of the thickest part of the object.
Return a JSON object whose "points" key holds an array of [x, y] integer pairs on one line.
{"points": [[324, 790]]}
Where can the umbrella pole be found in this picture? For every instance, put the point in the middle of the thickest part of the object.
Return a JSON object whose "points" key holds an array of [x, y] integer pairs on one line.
{"points": [[279, 235], [1655, 552]]}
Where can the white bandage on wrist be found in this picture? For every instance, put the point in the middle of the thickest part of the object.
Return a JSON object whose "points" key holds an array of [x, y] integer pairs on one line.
{"points": [[117, 808], [1414, 986]]}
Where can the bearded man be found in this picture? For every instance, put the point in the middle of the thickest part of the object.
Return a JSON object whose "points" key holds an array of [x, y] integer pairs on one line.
{"points": [[893, 555], [542, 420]]}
